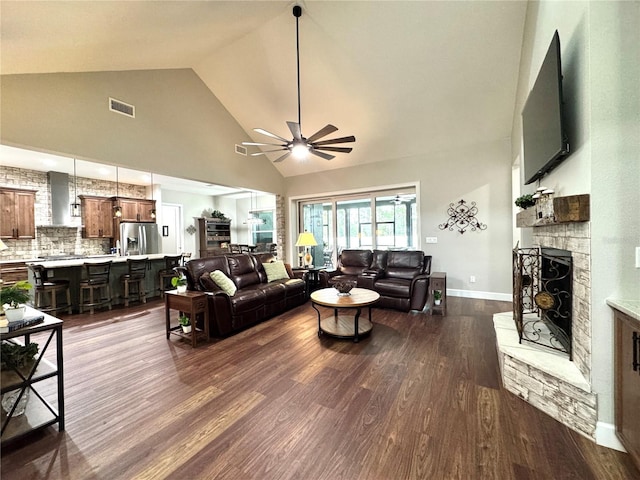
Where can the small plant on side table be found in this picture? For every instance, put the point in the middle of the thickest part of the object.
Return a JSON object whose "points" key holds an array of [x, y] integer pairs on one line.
{"points": [[14, 297], [185, 323], [437, 297], [180, 283]]}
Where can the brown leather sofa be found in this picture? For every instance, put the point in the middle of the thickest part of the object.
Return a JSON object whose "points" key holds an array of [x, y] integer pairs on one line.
{"points": [[254, 301], [400, 277]]}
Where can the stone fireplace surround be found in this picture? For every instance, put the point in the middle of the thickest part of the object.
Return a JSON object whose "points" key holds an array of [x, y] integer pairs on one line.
{"points": [[545, 378]]}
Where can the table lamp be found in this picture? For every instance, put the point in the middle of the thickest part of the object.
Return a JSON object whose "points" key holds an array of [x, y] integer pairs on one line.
{"points": [[306, 240]]}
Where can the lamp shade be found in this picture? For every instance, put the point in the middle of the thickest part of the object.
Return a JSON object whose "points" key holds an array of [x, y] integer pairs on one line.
{"points": [[306, 239]]}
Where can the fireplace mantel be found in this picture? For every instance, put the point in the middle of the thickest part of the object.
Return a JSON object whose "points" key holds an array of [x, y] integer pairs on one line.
{"points": [[569, 209]]}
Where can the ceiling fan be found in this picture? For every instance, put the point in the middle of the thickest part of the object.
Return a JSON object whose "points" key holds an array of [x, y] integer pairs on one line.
{"points": [[300, 146], [399, 199]]}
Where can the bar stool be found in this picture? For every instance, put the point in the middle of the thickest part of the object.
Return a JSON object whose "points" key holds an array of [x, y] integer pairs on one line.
{"points": [[168, 272], [43, 287], [98, 277], [137, 271], [185, 257]]}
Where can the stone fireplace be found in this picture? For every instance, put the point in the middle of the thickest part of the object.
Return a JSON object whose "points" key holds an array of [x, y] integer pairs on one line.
{"points": [[551, 380]]}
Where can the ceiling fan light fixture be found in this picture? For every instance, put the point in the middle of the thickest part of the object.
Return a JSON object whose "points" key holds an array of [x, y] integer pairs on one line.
{"points": [[300, 151]]}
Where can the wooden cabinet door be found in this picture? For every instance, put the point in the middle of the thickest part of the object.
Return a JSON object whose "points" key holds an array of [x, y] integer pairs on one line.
{"points": [[25, 218], [97, 217], [18, 213], [106, 217], [129, 210], [8, 211], [144, 210], [627, 387]]}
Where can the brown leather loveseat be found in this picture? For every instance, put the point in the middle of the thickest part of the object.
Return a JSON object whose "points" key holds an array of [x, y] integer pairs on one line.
{"points": [[400, 277], [255, 300]]}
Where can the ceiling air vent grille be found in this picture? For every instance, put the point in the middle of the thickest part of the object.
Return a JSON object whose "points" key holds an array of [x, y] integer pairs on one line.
{"points": [[240, 150], [122, 108]]}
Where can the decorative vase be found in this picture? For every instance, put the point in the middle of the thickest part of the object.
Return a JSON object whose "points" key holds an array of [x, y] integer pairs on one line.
{"points": [[181, 288], [9, 399], [186, 328], [14, 314]]}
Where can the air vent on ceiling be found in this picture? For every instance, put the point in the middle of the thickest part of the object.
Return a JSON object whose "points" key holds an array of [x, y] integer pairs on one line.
{"points": [[122, 108], [241, 150]]}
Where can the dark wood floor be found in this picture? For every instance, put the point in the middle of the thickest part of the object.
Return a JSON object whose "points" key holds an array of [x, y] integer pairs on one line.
{"points": [[419, 399]]}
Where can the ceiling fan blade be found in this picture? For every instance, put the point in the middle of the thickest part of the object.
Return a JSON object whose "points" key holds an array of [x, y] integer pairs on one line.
{"points": [[335, 149], [326, 130], [326, 156], [265, 152], [269, 134], [279, 159], [350, 138], [295, 130]]}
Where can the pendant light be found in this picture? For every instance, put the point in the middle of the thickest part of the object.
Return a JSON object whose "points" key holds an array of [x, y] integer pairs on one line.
{"points": [[153, 210], [253, 218], [117, 209], [75, 206]]}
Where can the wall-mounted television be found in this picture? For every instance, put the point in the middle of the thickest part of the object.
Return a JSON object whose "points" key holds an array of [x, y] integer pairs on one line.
{"points": [[544, 138]]}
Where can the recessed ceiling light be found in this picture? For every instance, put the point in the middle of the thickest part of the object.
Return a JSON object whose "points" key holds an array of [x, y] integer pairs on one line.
{"points": [[104, 171]]}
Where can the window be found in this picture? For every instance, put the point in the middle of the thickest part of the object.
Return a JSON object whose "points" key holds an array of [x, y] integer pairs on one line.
{"points": [[382, 220], [264, 232]]}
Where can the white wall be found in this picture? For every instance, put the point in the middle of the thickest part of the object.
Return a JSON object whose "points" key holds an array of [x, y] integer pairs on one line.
{"points": [[600, 54], [180, 129], [480, 174]]}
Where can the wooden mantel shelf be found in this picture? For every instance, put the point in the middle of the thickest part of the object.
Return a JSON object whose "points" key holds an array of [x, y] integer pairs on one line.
{"points": [[573, 208]]}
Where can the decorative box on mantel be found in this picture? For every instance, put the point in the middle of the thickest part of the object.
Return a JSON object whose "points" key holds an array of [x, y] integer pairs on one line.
{"points": [[572, 208]]}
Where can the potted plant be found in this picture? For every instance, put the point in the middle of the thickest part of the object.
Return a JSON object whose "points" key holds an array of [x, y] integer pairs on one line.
{"points": [[180, 283], [20, 358], [218, 215], [437, 297], [13, 298], [525, 201], [185, 323]]}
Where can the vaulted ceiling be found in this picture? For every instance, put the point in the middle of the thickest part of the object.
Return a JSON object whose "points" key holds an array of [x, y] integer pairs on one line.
{"points": [[406, 78]]}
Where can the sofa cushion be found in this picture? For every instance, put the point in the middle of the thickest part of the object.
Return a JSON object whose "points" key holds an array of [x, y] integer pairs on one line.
{"points": [[242, 270], [224, 282], [393, 287], [354, 262], [404, 264], [275, 271]]}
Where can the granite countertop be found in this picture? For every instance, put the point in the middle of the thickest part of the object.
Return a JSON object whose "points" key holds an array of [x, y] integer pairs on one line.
{"points": [[77, 262], [630, 307]]}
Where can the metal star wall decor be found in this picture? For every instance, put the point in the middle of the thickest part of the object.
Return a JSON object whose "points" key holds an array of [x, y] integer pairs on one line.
{"points": [[462, 216]]}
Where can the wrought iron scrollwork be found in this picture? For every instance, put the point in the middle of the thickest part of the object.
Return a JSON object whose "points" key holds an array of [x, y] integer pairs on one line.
{"points": [[462, 216]]}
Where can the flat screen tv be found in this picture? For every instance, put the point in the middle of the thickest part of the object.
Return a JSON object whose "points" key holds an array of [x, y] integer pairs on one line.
{"points": [[545, 142]]}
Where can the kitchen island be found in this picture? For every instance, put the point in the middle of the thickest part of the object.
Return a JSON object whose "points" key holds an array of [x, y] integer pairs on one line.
{"points": [[73, 270]]}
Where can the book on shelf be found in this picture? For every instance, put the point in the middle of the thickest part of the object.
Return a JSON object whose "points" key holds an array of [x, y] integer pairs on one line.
{"points": [[27, 321]]}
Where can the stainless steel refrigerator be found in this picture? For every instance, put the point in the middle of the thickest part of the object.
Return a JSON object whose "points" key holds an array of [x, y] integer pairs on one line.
{"points": [[139, 238]]}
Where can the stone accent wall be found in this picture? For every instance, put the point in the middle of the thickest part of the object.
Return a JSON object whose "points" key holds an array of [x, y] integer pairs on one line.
{"points": [[575, 237], [281, 233], [570, 405], [58, 241]]}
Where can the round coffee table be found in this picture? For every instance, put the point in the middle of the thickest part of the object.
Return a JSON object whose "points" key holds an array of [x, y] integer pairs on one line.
{"points": [[344, 326]]}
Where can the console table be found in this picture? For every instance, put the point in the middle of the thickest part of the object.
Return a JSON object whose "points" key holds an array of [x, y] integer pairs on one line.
{"points": [[192, 303], [39, 412], [438, 281]]}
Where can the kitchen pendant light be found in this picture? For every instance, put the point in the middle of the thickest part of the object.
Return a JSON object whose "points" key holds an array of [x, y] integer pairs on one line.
{"points": [[117, 209], [253, 218], [75, 206]]}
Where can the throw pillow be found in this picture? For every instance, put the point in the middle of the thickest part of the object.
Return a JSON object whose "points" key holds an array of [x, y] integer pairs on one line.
{"points": [[224, 282], [275, 270]]}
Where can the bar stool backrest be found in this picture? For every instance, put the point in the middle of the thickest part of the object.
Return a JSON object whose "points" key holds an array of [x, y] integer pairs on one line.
{"points": [[234, 248], [185, 257], [137, 267], [98, 273], [39, 274], [170, 262]]}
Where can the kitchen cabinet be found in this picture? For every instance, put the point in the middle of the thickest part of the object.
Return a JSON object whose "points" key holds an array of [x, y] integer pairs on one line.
{"points": [[136, 209], [18, 213], [97, 216], [627, 383]]}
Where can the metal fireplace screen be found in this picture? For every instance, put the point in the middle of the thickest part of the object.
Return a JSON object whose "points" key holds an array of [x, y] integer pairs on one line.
{"points": [[542, 292]]}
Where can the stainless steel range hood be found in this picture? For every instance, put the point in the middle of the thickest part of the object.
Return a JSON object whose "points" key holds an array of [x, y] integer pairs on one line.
{"points": [[60, 204]]}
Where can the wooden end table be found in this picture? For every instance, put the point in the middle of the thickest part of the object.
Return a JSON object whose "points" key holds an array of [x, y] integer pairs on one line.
{"points": [[192, 303], [344, 326], [438, 281]]}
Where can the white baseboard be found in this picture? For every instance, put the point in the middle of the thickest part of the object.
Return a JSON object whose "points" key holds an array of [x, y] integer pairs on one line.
{"points": [[606, 436], [503, 297]]}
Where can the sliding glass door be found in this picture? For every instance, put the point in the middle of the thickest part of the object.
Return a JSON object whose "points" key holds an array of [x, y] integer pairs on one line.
{"points": [[378, 220]]}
